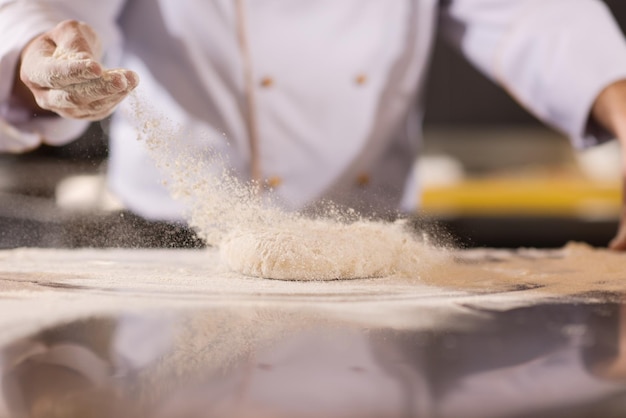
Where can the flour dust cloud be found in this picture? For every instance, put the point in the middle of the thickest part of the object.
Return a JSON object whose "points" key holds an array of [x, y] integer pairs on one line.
{"points": [[256, 237]]}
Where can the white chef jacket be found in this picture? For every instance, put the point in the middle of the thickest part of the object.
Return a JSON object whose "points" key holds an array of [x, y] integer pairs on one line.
{"points": [[335, 102]]}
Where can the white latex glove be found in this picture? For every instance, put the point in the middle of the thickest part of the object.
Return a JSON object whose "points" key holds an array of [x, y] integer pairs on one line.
{"points": [[609, 110], [62, 71]]}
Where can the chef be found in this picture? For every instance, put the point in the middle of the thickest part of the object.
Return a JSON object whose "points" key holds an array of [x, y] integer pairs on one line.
{"points": [[317, 99]]}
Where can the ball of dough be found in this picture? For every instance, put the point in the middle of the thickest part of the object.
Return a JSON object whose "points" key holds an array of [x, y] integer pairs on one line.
{"points": [[314, 250]]}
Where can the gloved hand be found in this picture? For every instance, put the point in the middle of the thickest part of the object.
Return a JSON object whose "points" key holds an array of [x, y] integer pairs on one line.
{"points": [[62, 72], [609, 110]]}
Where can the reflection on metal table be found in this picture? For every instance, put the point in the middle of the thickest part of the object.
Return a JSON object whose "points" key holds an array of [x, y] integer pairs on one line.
{"points": [[168, 333]]}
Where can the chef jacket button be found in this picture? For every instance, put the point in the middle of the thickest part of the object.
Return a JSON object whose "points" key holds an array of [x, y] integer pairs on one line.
{"points": [[274, 182], [267, 82], [360, 79], [363, 180]]}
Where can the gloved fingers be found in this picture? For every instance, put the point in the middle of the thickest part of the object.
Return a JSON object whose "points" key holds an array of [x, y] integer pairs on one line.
{"points": [[619, 242], [111, 82], [100, 109], [96, 110], [92, 100], [81, 94], [57, 74]]}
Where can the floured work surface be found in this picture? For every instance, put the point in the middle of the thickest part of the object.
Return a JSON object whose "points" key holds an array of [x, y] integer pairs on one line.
{"points": [[40, 286], [168, 333]]}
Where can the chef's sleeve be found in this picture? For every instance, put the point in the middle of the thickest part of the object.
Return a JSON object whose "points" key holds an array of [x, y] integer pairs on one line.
{"points": [[20, 22], [553, 56]]}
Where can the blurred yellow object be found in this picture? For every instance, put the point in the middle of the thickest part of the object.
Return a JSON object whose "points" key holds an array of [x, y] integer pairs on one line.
{"points": [[570, 197]]}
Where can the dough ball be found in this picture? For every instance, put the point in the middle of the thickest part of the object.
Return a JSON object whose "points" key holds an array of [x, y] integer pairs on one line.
{"points": [[314, 250]]}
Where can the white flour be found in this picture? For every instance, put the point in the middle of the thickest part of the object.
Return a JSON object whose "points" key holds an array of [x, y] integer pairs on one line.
{"points": [[257, 238], [324, 250], [87, 96]]}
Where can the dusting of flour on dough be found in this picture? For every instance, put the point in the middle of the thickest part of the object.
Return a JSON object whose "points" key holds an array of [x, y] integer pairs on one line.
{"points": [[314, 249], [257, 238]]}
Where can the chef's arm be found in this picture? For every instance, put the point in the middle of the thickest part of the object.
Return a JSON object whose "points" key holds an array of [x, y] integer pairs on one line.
{"points": [[609, 110], [554, 57]]}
